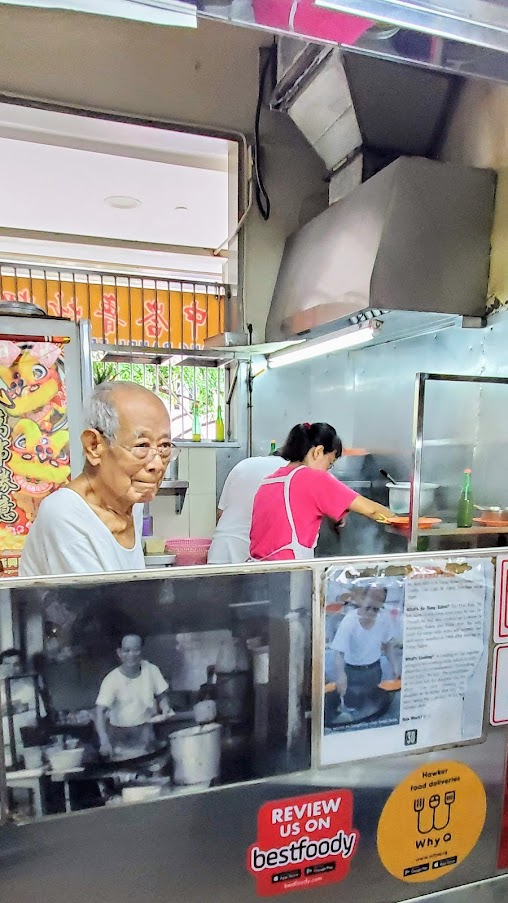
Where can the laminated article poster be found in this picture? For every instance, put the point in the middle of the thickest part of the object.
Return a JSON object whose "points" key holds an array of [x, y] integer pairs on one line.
{"points": [[405, 656]]}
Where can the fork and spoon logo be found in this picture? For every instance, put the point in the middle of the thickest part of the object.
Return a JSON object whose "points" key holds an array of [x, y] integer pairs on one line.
{"points": [[433, 814]]}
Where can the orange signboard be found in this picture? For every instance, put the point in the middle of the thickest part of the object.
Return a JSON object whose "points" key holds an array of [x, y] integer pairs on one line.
{"points": [[126, 311]]}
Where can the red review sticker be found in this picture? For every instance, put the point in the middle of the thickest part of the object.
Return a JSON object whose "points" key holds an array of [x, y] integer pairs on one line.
{"points": [[302, 843]]}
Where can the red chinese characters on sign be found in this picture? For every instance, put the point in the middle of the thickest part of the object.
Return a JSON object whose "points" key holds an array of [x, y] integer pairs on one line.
{"points": [[302, 843], [59, 307], [23, 296], [154, 321], [108, 313], [195, 315]]}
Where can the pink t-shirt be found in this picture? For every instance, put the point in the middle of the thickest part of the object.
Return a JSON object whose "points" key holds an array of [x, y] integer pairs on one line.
{"points": [[313, 494]]}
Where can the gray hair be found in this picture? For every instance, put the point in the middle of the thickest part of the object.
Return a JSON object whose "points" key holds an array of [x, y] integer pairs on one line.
{"points": [[100, 410]]}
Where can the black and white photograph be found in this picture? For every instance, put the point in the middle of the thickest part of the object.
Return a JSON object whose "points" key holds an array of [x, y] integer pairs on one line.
{"points": [[116, 693]]}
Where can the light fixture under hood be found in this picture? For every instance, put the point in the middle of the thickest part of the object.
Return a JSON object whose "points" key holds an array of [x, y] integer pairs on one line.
{"points": [[339, 341]]}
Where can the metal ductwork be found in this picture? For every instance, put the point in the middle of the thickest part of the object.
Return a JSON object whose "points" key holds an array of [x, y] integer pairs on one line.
{"points": [[358, 112], [409, 244]]}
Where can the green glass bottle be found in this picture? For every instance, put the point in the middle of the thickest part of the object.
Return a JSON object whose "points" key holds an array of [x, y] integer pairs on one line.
{"points": [[219, 426], [196, 423], [465, 509], [273, 447]]}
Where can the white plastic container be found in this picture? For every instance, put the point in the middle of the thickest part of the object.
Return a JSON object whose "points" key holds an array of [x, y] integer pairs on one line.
{"points": [[401, 493], [140, 794], [196, 755], [32, 756], [62, 760]]}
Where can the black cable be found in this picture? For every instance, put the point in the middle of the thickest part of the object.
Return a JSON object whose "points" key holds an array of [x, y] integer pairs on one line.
{"points": [[262, 197]]}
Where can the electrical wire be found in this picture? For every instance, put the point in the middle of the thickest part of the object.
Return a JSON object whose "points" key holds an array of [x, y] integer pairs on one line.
{"points": [[230, 238], [262, 197]]}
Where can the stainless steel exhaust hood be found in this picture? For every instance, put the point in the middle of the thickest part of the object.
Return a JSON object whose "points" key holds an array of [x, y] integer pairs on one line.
{"points": [[413, 238], [350, 106]]}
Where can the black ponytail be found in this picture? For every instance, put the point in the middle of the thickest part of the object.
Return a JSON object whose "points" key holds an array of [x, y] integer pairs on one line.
{"points": [[305, 436]]}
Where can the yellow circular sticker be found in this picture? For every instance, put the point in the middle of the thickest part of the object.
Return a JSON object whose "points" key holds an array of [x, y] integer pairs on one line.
{"points": [[431, 821]]}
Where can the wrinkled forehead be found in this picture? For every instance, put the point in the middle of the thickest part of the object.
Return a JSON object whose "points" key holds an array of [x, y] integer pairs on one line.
{"points": [[142, 414]]}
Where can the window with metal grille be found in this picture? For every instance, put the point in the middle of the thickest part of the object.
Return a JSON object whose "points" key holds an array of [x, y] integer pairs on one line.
{"points": [[143, 329], [179, 385]]}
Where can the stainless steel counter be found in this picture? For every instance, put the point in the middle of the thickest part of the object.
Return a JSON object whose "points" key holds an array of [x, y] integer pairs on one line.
{"points": [[191, 846]]}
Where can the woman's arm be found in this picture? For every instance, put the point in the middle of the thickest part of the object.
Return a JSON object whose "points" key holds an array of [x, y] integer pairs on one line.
{"points": [[334, 498], [372, 510]]}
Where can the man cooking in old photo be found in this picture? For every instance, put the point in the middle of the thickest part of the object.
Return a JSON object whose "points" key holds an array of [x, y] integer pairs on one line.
{"points": [[130, 698]]}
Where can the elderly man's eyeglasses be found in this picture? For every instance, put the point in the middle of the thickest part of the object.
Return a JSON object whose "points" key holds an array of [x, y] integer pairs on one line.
{"points": [[166, 451]]}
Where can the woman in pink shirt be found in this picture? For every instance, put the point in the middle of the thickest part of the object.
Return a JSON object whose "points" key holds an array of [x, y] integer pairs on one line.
{"points": [[290, 505]]}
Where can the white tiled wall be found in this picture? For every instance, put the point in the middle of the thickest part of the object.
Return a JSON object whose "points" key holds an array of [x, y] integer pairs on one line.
{"points": [[198, 466]]}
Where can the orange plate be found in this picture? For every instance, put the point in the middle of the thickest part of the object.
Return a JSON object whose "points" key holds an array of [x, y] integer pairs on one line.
{"points": [[490, 523], [424, 523], [391, 685]]}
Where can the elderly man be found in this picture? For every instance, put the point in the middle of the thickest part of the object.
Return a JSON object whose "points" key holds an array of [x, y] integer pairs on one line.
{"points": [[94, 524]]}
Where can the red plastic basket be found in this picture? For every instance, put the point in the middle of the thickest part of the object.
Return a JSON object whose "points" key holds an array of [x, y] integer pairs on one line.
{"points": [[189, 551]]}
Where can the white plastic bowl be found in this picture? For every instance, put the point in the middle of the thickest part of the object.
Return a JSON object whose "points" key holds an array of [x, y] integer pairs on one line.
{"points": [[62, 760], [401, 493]]}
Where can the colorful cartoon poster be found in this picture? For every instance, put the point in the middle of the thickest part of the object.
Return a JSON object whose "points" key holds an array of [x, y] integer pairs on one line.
{"points": [[303, 843], [431, 821], [405, 657], [34, 437]]}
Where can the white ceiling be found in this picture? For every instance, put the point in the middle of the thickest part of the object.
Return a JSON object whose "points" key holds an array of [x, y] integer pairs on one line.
{"points": [[60, 168]]}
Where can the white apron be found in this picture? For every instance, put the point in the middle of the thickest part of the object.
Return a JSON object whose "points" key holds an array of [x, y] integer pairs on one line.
{"points": [[300, 551], [227, 549]]}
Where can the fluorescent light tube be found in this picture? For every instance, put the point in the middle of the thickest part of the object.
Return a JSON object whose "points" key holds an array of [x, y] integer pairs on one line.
{"points": [[342, 340]]}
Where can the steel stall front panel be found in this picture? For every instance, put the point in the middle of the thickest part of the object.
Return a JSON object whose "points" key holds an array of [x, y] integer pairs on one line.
{"points": [[194, 847]]}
